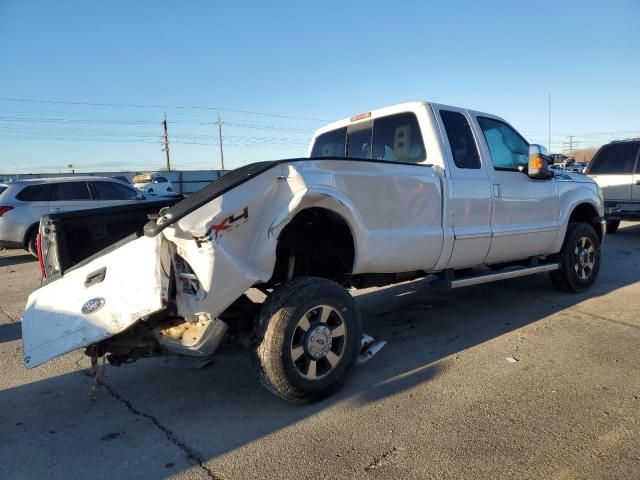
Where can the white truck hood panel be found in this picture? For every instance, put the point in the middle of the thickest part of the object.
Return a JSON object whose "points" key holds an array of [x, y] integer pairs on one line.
{"points": [[53, 322]]}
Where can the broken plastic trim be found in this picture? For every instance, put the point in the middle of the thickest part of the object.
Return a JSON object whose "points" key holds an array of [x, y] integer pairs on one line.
{"points": [[369, 347]]}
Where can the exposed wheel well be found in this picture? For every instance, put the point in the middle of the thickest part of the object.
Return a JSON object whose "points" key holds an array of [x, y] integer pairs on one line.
{"points": [[586, 213], [317, 242]]}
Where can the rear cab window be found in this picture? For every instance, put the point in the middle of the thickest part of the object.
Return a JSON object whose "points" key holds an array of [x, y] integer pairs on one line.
{"points": [[395, 138], [614, 159]]}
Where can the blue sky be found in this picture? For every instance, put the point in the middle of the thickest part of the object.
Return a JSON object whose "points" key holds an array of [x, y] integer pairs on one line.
{"points": [[319, 61]]}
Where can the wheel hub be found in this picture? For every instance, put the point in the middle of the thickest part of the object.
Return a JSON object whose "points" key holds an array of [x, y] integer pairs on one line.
{"points": [[318, 341], [583, 257]]}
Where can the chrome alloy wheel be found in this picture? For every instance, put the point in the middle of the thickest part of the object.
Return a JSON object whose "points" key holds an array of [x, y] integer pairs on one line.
{"points": [[585, 257], [318, 342]]}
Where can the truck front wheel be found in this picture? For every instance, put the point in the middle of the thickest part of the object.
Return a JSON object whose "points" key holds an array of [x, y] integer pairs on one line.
{"points": [[579, 259], [307, 339]]}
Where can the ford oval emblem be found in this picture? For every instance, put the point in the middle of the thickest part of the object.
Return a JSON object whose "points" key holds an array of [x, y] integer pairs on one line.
{"points": [[93, 305]]}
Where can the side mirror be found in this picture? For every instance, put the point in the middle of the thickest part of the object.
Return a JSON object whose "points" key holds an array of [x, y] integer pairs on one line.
{"points": [[139, 196], [539, 163]]}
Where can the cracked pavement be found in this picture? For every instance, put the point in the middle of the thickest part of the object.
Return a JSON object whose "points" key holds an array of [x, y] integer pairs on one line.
{"points": [[439, 401]]}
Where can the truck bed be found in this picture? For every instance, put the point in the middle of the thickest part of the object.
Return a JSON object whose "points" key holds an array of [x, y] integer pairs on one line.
{"points": [[70, 238]]}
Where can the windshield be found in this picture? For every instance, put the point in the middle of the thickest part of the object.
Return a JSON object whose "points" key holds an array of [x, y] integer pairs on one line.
{"points": [[615, 159]]}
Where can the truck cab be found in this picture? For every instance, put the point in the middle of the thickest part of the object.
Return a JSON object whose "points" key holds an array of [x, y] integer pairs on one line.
{"points": [[494, 210]]}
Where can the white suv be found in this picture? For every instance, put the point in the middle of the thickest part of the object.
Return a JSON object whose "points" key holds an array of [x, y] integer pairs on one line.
{"points": [[22, 203], [616, 170]]}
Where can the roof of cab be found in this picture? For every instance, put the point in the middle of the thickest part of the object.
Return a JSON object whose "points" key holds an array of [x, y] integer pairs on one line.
{"points": [[378, 112]]}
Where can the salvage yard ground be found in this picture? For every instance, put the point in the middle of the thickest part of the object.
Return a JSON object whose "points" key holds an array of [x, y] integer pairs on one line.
{"points": [[440, 401]]}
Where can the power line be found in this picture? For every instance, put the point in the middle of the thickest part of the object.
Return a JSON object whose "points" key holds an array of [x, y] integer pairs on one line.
{"points": [[133, 105]]}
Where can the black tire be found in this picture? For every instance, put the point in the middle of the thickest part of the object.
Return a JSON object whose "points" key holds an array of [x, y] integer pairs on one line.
{"points": [[612, 226], [31, 246], [278, 329], [575, 274]]}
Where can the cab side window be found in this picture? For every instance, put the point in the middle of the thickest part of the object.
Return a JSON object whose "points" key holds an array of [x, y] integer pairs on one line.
{"points": [[463, 145], [509, 151]]}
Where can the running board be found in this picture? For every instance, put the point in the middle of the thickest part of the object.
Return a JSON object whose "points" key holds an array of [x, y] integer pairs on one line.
{"points": [[494, 277]]}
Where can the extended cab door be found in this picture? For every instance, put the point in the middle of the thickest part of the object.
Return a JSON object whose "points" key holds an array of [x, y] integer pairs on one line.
{"points": [[525, 211], [470, 195]]}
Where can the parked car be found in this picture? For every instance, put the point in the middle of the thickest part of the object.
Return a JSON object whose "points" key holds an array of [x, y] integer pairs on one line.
{"points": [[23, 202], [389, 195], [153, 184], [616, 169], [577, 167]]}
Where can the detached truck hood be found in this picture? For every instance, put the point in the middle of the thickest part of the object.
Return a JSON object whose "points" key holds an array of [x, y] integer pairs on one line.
{"points": [[94, 301]]}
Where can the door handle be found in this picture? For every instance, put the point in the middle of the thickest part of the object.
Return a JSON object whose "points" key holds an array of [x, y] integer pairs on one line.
{"points": [[56, 209], [496, 190]]}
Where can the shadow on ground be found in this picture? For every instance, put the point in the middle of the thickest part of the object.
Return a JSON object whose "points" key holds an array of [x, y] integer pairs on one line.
{"points": [[208, 412], [10, 332], [9, 261]]}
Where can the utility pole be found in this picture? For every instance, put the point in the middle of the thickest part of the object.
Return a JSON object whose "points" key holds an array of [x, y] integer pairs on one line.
{"points": [[165, 142], [549, 144], [219, 123], [570, 144]]}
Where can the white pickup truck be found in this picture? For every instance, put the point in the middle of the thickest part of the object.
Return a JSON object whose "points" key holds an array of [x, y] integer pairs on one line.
{"points": [[393, 194]]}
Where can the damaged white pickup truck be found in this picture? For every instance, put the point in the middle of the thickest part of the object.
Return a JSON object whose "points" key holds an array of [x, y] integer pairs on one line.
{"points": [[393, 194]]}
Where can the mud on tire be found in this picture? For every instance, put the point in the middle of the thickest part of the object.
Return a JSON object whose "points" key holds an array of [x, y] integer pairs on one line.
{"points": [[307, 339]]}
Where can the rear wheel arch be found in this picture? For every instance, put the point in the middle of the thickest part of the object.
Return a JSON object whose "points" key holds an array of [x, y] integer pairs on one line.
{"points": [[321, 242]]}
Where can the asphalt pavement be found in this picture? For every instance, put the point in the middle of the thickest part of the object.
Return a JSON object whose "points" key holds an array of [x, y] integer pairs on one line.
{"points": [[505, 380]]}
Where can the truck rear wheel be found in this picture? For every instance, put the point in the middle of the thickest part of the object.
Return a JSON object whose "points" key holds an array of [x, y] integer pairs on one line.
{"points": [[579, 259], [307, 339]]}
